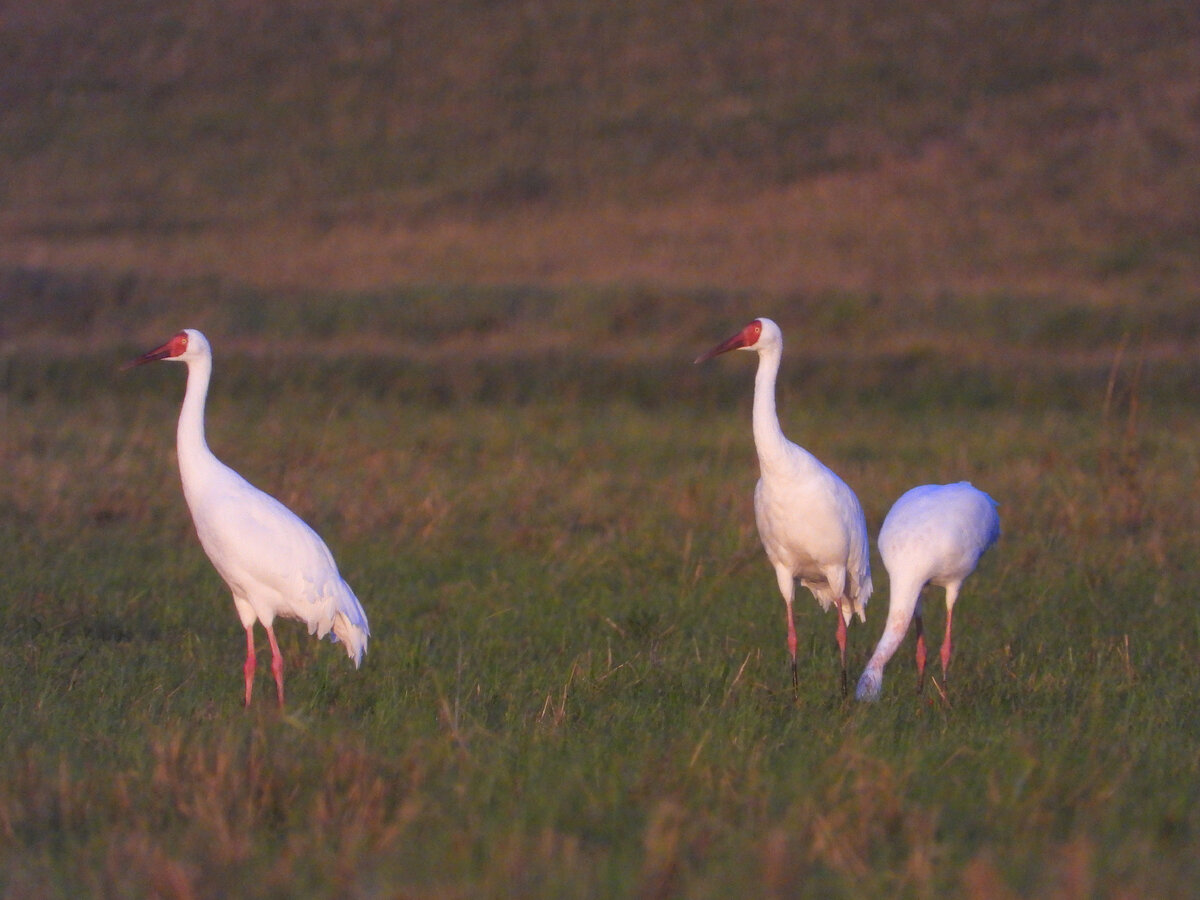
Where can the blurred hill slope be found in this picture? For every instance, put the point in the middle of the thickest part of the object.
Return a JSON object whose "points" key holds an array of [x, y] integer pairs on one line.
{"points": [[901, 149]]}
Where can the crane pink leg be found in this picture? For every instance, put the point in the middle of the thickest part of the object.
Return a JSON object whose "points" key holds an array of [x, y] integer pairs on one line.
{"points": [[946, 644], [792, 649], [920, 652], [841, 639], [276, 664], [251, 663]]}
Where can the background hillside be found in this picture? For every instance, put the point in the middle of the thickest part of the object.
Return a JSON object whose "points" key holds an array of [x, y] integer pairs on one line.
{"points": [[902, 150]]}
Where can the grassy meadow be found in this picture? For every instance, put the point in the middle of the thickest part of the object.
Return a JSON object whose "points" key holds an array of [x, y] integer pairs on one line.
{"points": [[455, 261], [577, 683]]}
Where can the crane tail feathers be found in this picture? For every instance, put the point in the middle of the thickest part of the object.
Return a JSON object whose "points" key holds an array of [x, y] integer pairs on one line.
{"points": [[349, 625], [865, 589], [352, 636]]}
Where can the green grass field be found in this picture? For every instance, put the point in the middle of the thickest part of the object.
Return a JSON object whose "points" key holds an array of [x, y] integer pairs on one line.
{"points": [[577, 683], [455, 260]]}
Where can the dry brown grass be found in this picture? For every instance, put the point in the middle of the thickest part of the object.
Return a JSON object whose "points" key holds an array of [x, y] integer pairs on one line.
{"points": [[908, 228]]}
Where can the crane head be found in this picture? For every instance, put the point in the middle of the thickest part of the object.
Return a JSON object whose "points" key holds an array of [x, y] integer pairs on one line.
{"points": [[746, 339], [172, 349]]}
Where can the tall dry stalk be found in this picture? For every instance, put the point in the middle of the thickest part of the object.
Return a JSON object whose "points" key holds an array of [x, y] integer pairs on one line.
{"points": [[1121, 466]]}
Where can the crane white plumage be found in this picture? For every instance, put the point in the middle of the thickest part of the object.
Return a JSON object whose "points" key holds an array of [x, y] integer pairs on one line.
{"points": [[934, 534], [274, 563], [810, 521]]}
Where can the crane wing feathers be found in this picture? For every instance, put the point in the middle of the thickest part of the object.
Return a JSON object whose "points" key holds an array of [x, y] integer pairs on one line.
{"points": [[271, 558], [811, 522], [939, 531]]}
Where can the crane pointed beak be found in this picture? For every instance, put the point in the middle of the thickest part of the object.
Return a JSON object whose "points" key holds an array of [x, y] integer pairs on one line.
{"points": [[150, 356], [737, 342]]}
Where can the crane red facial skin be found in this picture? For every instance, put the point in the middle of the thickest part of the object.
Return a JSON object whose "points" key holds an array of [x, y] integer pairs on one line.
{"points": [[176, 346], [747, 337]]}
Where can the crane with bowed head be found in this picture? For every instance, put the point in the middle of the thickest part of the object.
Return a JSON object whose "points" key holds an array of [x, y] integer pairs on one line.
{"points": [[934, 534], [274, 563]]}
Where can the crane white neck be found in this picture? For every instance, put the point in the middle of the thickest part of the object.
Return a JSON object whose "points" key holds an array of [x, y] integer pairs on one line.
{"points": [[191, 446], [769, 440]]}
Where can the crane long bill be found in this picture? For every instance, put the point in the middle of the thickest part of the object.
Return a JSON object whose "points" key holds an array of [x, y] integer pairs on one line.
{"points": [[150, 356], [736, 342]]}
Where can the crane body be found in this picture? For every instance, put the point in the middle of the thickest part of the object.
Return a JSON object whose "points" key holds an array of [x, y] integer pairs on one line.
{"points": [[272, 561], [810, 522], [934, 534]]}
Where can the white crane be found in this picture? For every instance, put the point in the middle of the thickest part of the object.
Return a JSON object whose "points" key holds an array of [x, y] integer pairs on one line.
{"points": [[274, 564], [934, 534], [810, 522]]}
